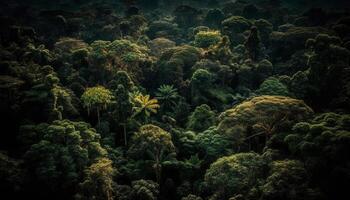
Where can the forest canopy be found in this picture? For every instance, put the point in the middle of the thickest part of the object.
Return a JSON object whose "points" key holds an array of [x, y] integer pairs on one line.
{"points": [[175, 100]]}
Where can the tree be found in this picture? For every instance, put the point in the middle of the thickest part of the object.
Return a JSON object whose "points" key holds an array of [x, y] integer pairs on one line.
{"points": [[252, 44], [213, 144], [287, 180], [234, 26], [58, 158], [323, 143], [214, 18], [175, 65], [201, 81], [144, 190], [205, 39], [328, 74], [264, 115], [122, 78], [98, 183], [97, 97], [123, 108], [144, 106], [201, 119], [235, 174], [156, 143], [272, 86], [167, 95]]}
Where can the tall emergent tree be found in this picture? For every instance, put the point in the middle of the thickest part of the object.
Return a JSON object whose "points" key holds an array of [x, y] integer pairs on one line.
{"points": [[156, 143], [97, 97]]}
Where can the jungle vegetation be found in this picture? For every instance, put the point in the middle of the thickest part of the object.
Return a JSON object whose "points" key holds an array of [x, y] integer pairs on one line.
{"points": [[175, 100]]}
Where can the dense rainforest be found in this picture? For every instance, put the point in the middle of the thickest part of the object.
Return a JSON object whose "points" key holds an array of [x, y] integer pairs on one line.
{"points": [[175, 100]]}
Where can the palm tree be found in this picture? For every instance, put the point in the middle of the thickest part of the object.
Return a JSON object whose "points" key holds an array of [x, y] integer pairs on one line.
{"points": [[167, 95], [144, 105]]}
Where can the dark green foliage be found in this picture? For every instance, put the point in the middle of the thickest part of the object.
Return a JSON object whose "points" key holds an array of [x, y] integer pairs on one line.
{"points": [[144, 190], [272, 86], [287, 180], [162, 29], [63, 150], [201, 119], [98, 183], [234, 27], [251, 74], [213, 144], [328, 70], [155, 144], [252, 44], [175, 64], [214, 17], [284, 44], [186, 16], [168, 97], [323, 143], [233, 175], [264, 115], [190, 100]]}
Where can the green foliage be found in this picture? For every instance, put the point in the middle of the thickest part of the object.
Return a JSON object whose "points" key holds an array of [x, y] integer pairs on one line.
{"points": [[186, 16], [162, 29], [122, 108], [168, 96], [155, 143], [175, 64], [98, 183], [205, 39], [272, 86], [233, 175], [107, 58], [201, 81], [199, 59], [322, 141], [234, 26], [252, 44], [191, 197], [122, 78], [63, 151], [264, 115], [328, 62], [201, 119], [251, 74], [97, 97], [144, 190], [144, 106], [287, 180], [237, 24], [159, 45], [214, 18], [127, 51], [265, 29], [213, 144], [285, 44]]}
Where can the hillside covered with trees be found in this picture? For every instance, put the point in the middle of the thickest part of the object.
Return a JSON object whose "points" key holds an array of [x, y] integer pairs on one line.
{"points": [[175, 100]]}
